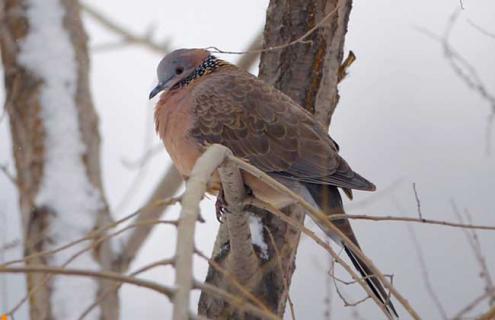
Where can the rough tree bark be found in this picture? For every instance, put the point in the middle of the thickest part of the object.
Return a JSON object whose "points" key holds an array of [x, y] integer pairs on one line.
{"points": [[309, 73], [24, 105]]}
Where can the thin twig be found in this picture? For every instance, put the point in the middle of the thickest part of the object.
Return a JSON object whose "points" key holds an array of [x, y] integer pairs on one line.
{"points": [[410, 219], [473, 241], [301, 39], [10, 245], [328, 297], [480, 257], [418, 203], [143, 159], [426, 278], [93, 234], [246, 61], [128, 36], [167, 187], [374, 196], [481, 29], [10, 176], [465, 71], [474, 303]]}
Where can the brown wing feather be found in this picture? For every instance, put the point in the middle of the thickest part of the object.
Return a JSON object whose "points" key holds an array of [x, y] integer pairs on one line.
{"points": [[266, 127]]}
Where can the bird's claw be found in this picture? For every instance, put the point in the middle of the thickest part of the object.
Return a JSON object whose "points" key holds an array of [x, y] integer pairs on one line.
{"points": [[221, 206]]}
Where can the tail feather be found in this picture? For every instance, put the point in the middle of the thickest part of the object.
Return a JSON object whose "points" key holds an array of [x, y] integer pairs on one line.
{"points": [[372, 282], [329, 200]]}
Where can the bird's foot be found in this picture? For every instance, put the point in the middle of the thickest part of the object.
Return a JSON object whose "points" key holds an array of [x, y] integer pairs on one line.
{"points": [[221, 206]]}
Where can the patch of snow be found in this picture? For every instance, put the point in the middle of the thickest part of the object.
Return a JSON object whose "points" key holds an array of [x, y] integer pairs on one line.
{"points": [[257, 238], [47, 52]]}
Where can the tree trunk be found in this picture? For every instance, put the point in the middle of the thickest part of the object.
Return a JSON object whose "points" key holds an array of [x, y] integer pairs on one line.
{"points": [[56, 146], [308, 71]]}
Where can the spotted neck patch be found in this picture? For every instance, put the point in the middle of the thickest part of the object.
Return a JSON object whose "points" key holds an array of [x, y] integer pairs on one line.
{"points": [[207, 66]]}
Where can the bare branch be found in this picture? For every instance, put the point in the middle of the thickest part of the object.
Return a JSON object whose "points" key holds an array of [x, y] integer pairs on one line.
{"points": [[426, 277], [196, 185], [10, 245], [247, 60], [10, 176], [167, 186], [96, 234], [418, 203], [481, 29], [344, 67], [410, 219], [301, 39], [480, 257], [473, 241], [242, 260], [474, 303], [328, 290], [169, 292], [374, 196], [465, 71], [128, 37], [143, 159], [341, 295]]}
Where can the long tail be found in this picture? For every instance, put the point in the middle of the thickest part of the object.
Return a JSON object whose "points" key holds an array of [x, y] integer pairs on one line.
{"points": [[329, 200]]}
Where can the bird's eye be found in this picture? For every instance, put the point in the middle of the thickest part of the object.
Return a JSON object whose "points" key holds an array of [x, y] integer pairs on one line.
{"points": [[179, 70]]}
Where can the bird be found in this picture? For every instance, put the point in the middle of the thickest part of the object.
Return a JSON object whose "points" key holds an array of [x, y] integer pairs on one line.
{"points": [[205, 100]]}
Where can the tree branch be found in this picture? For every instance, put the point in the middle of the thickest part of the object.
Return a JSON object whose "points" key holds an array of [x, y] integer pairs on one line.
{"points": [[169, 292], [410, 219], [128, 36], [166, 188], [196, 185], [242, 260]]}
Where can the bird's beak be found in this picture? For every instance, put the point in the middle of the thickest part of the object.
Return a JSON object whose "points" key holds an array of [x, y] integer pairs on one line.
{"points": [[159, 88]]}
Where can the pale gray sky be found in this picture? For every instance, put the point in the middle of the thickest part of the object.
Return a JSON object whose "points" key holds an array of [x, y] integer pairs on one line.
{"points": [[403, 116]]}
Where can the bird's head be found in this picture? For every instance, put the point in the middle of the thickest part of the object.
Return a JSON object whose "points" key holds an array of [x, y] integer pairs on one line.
{"points": [[178, 67]]}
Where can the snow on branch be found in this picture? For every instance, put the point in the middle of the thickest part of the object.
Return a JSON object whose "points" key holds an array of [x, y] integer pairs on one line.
{"points": [[65, 190]]}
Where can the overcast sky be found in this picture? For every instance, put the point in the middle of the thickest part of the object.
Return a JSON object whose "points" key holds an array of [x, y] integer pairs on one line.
{"points": [[404, 117]]}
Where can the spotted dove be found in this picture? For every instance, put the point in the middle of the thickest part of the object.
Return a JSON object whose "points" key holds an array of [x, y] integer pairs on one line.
{"points": [[206, 100]]}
